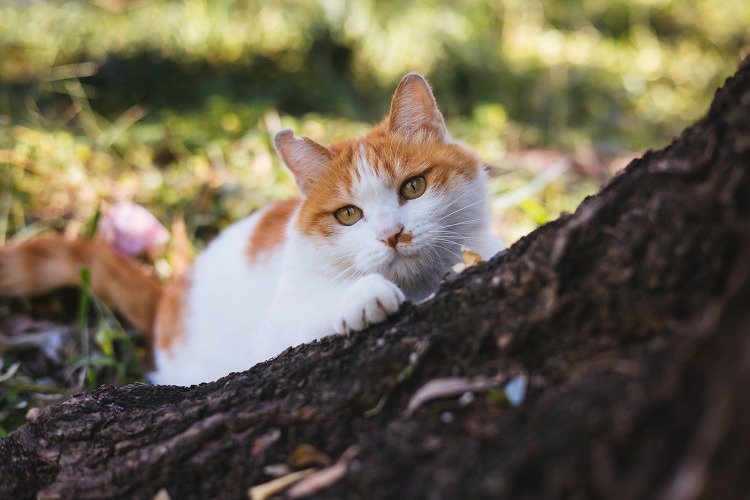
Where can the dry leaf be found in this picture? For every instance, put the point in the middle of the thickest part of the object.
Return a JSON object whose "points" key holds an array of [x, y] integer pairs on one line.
{"points": [[306, 455], [471, 257], [324, 477], [162, 494], [449, 387], [266, 490], [318, 481]]}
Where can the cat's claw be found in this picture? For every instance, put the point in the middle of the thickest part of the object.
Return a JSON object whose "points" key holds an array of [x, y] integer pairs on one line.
{"points": [[370, 300]]}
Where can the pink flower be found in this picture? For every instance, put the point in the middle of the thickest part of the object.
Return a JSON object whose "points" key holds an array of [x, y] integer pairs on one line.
{"points": [[131, 229]]}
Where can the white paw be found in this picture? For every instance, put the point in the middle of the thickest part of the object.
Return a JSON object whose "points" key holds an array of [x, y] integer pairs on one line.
{"points": [[368, 301]]}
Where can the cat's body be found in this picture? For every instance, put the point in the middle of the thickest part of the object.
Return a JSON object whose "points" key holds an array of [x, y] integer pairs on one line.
{"points": [[381, 219]]}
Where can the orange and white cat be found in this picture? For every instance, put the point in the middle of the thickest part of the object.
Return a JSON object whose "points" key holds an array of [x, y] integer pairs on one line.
{"points": [[380, 220]]}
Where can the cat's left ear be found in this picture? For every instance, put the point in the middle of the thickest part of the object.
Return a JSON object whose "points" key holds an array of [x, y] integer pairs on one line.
{"points": [[304, 157], [414, 112]]}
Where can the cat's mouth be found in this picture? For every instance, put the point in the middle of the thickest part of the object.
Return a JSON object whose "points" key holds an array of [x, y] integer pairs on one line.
{"points": [[401, 254], [404, 258]]}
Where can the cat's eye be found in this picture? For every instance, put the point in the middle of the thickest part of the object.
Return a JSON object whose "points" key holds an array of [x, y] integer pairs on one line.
{"points": [[348, 215], [413, 188]]}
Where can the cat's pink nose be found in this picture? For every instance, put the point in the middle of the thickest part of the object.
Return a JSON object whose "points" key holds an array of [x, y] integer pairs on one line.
{"points": [[393, 239]]}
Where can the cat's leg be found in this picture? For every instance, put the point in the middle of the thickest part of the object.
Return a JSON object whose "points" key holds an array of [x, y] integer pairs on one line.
{"points": [[366, 301], [301, 313]]}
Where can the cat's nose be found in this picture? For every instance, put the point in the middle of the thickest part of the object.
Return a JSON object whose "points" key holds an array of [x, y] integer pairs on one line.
{"points": [[393, 239]]}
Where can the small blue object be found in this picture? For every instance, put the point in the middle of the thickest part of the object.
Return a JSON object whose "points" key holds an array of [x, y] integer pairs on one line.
{"points": [[515, 390]]}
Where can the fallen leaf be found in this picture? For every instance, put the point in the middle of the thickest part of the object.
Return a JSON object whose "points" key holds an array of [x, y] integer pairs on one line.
{"points": [[306, 455], [266, 490], [318, 481], [325, 477], [471, 257], [162, 494], [449, 387]]}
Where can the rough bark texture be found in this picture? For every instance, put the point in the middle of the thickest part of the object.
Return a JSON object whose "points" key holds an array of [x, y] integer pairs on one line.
{"points": [[630, 318]]}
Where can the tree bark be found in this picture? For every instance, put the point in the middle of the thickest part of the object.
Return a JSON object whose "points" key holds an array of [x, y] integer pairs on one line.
{"points": [[630, 319]]}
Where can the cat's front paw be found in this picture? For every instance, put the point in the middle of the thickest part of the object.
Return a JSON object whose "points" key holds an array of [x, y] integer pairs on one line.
{"points": [[368, 301]]}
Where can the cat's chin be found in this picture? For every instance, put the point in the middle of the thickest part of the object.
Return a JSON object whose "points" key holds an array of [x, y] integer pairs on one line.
{"points": [[407, 268], [391, 259], [385, 263]]}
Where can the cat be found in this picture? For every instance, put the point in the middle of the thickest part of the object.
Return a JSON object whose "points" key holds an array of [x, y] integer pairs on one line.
{"points": [[380, 219]]}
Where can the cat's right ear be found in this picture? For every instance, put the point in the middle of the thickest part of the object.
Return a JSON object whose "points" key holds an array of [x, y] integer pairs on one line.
{"points": [[305, 158], [414, 112]]}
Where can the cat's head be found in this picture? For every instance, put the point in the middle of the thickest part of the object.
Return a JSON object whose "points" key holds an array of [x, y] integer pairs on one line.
{"points": [[399, 201]]}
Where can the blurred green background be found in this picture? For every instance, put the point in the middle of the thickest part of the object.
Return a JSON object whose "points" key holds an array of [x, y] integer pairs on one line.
{"points": [[173, 104]]}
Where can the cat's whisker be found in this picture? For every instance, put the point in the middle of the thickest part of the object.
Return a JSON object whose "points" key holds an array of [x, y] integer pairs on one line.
{"points": [[456, 233], [462, 240], [433, 214], [439, 230], [461, 209], [347, 269], [472, 221], [435, 255], [458, 236], [443, 216], [455, 237], [446, 249]]}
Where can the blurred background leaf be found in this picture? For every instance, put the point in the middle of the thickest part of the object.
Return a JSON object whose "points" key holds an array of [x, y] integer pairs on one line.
{"points": [[173, 103]]}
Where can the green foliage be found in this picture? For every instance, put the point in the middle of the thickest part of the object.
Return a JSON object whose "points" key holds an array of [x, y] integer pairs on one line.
{"points": [[112, 358], [173, 103], [567, 70]]}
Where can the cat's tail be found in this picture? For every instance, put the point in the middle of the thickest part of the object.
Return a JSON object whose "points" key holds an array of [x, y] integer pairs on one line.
{"points": [[42, 265]]}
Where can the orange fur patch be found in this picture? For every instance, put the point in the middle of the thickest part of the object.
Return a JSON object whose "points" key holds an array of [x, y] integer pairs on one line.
{"points": [[36, 267], [406, 238], [271, 228], [394, 159], [39, 266], [170, 315]]}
